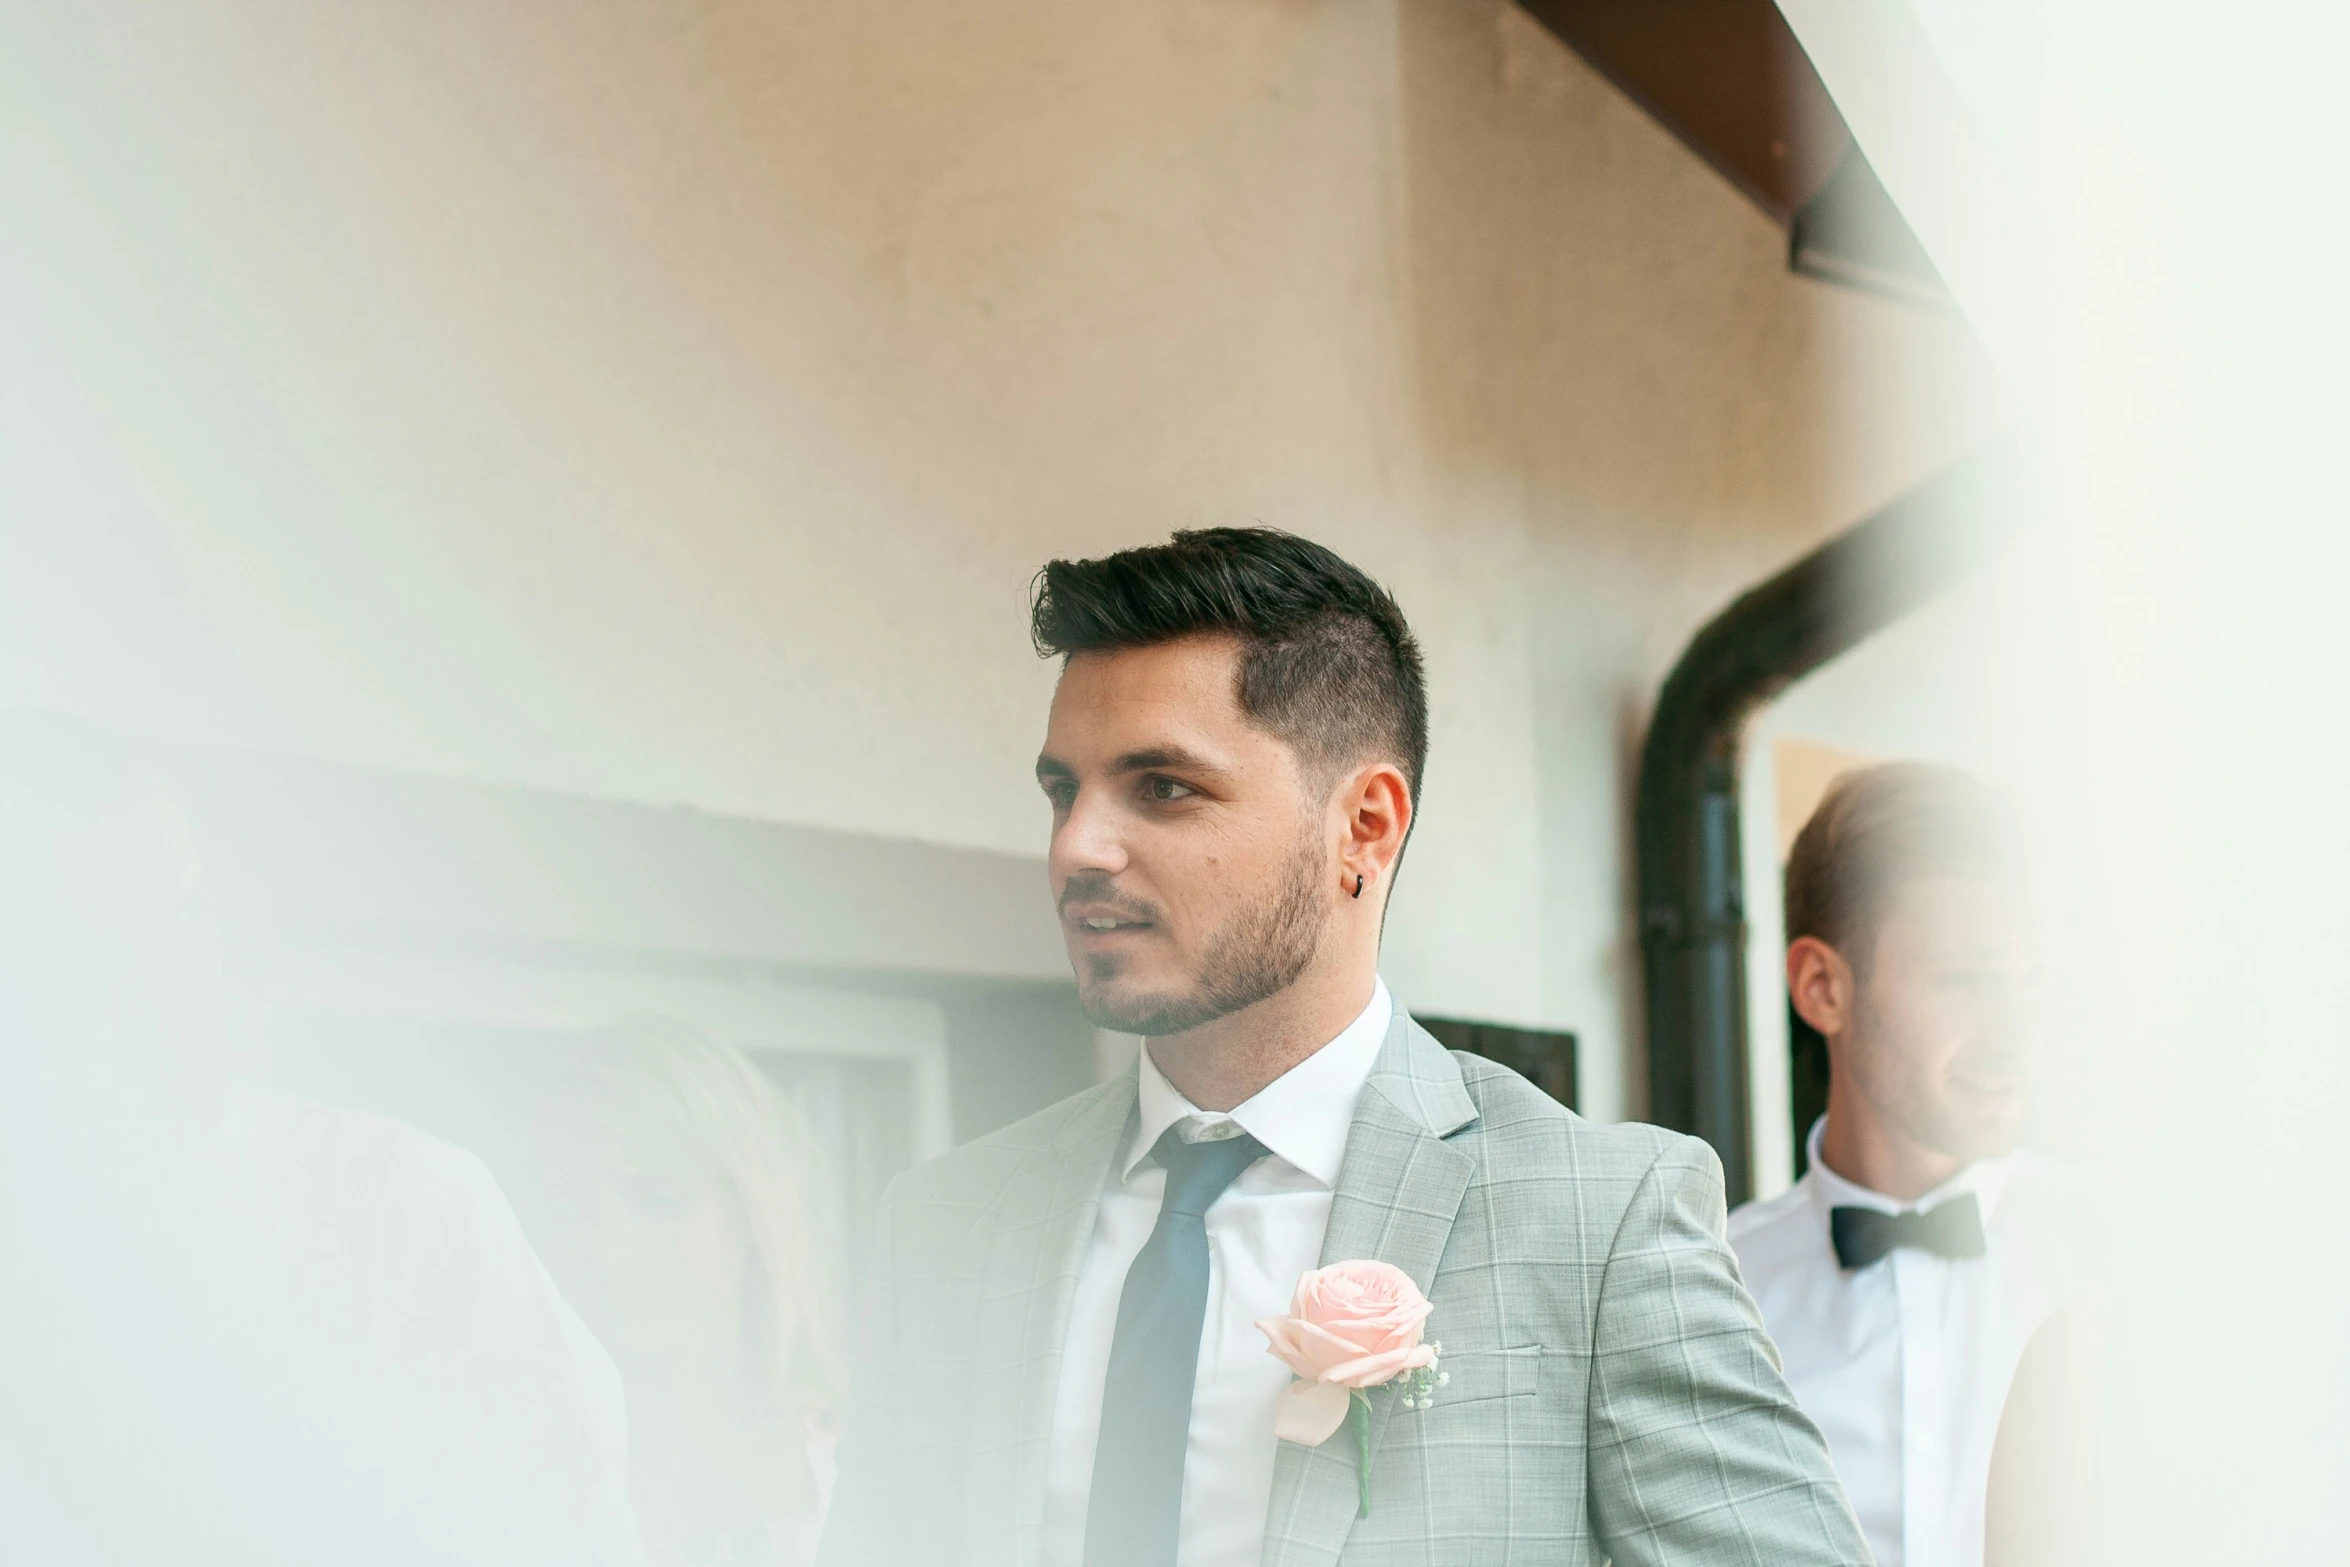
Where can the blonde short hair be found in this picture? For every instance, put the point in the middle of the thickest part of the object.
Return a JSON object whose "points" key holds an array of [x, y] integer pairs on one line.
{"points": [[1879, 829], [721, 1102]]}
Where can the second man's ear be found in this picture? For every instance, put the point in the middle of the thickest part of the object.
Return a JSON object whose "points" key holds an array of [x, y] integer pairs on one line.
{"points": [[1819, 983]]}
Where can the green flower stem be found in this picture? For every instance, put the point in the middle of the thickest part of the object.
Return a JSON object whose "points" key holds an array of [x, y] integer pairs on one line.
{"points": [[1359, 1410]]}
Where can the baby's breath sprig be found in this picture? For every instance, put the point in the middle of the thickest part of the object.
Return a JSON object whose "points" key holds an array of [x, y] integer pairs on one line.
{"points": [[1419, 1387]]}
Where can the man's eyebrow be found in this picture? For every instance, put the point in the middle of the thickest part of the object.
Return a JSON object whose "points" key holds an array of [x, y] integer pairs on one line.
{"points": [[1146, 760], [1173, 756]]}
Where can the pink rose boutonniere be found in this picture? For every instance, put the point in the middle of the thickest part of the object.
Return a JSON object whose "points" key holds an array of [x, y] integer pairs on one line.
{"points": [[1353, 1326]]}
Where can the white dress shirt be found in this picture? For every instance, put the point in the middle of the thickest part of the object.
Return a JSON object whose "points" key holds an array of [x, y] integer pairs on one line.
{"points": [[1905, 1364], [1263, 1233]]}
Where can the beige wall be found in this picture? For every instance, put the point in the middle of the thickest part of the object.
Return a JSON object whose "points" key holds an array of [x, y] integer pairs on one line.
{"points": [[671, 401]]}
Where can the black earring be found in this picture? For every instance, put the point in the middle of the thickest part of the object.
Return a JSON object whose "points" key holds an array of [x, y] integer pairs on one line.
{"points": [[1358, 892]]}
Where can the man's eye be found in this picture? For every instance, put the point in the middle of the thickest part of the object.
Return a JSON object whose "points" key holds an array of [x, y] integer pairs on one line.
{"points": [[1061, 792], [1163, 790]]}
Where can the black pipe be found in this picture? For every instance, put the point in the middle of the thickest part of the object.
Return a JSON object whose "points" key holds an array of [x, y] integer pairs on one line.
{"points": [[1692, 898]]}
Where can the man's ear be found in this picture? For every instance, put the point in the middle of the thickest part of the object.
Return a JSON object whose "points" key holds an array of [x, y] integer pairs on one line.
{"points": [[1821, 985], [1375, 814]]}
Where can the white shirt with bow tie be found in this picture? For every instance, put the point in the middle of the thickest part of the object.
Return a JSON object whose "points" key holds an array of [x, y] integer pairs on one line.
{"points": [[1904, 1364], [1264, 1232]]}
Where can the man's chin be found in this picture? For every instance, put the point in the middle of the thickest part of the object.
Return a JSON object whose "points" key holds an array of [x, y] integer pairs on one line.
{"points": [[1986, 1137], [1122, 1011]]}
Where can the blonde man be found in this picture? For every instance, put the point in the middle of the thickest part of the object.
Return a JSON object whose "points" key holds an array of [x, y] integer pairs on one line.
{"points": [[1904, 1274]]}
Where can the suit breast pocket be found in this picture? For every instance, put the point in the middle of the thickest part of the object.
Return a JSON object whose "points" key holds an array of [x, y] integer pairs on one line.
{"points": [[1477, 1375], [1526, 1395]]}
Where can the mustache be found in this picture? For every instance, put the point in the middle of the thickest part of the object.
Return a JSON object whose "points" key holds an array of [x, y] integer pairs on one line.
{"points": [[1094, 887]]}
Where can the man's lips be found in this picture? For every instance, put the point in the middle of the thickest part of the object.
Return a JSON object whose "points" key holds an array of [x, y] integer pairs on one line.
{"points": [[1100, 924]]}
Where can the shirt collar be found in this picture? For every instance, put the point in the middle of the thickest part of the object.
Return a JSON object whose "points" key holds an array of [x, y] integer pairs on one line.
{"points": [[1303, 1116], [1985, 1178]]}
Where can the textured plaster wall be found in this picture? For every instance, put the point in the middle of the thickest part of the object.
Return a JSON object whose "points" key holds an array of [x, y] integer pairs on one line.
{"points": [[668, 401]]}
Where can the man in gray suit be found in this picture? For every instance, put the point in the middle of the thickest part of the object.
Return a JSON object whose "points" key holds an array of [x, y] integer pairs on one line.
{"points": [[1065, 1366]]}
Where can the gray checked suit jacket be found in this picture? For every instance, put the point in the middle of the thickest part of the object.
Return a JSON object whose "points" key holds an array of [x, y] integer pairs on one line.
{"points": [[1612, 1393]]}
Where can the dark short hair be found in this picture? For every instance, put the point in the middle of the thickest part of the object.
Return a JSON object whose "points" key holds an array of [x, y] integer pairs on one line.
{"points": [[1876, 831], [1327, 662]]}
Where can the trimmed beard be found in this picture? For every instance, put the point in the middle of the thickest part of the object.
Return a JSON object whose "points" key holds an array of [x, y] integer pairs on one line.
{"points": [[1260, 952]]}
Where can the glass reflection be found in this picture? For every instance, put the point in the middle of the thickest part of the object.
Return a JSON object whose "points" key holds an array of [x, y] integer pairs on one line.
{"points": [[677, 1218]]}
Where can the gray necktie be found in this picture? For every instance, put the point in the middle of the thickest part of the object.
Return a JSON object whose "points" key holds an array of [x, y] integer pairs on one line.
{"points": [[1136, 1507]]}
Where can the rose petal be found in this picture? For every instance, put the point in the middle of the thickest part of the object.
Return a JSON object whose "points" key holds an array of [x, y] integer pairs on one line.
{"points": [[1361, 1337], [1361, 1292], [1363, 1280], [1281, 1339], [1371, 1370], [1310, 1413], [1327, 1345]]}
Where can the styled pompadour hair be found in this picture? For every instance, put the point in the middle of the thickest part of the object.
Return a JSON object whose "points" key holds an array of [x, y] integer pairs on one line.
{"points": [[1327, 662]]}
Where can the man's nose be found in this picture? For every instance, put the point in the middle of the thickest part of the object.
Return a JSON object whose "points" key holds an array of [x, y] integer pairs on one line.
{"points": [[1088, 838], [2019, 1008]]}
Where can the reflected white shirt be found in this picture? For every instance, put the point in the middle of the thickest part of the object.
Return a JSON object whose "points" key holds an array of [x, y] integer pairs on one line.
{"points": [[309, 1335], [1263, 1232], [1905, 1364]]}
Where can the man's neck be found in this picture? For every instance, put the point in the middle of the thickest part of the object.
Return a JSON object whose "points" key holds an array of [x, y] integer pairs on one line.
{"points": [[1224, 1064], [1857, 1145]]}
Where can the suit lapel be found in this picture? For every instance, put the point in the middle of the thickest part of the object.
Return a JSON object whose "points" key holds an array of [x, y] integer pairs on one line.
{"points": [[1027, 1289], [1399, 1189]]}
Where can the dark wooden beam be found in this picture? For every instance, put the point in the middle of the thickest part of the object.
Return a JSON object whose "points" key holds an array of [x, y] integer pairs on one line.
{"points": [[1728, 78], [1725, 76]]}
